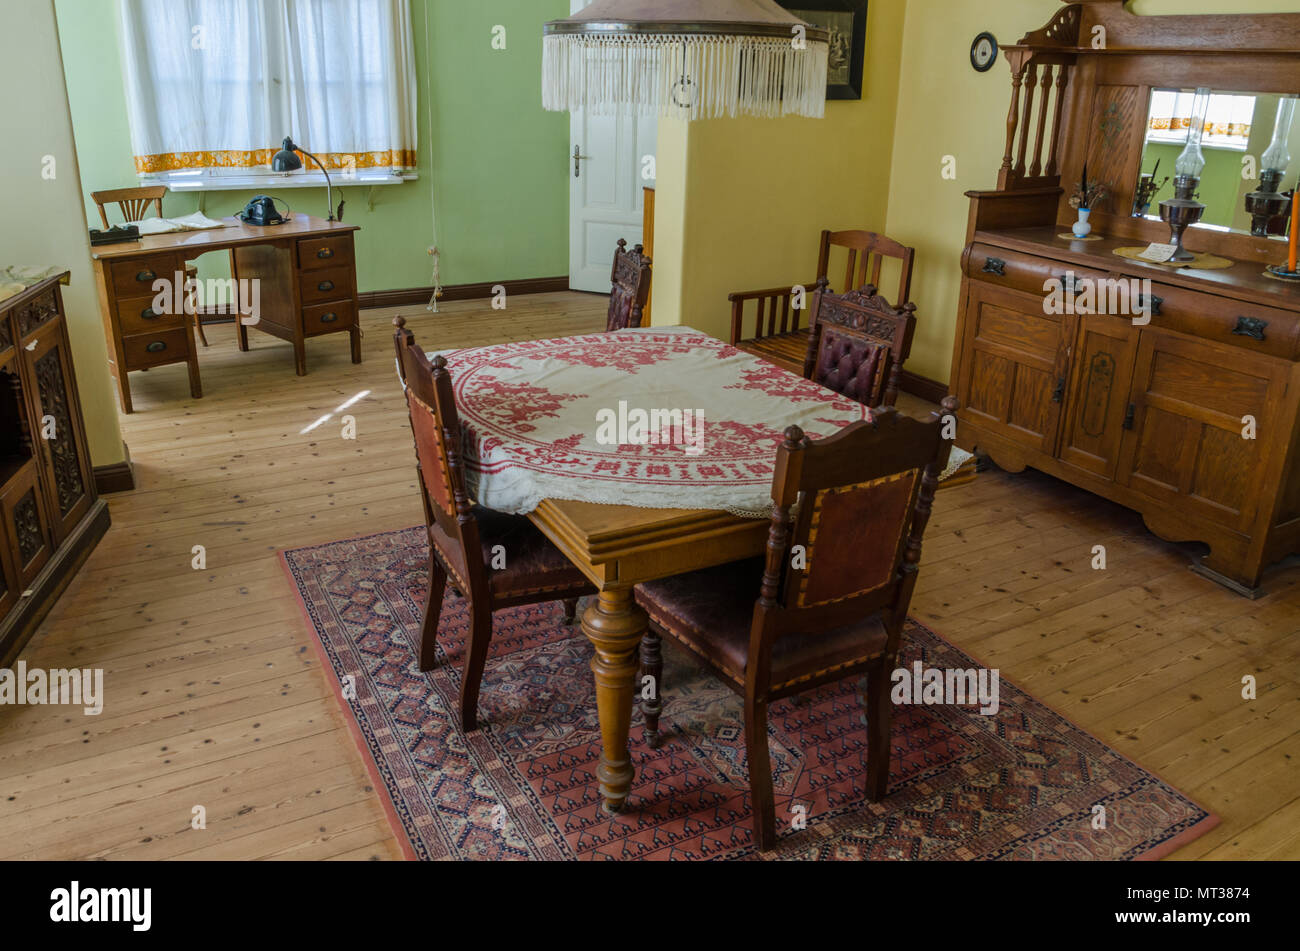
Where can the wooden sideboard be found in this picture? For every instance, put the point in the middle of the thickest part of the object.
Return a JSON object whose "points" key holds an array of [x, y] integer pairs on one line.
{"points": [[50, 515], [1188, 413]]}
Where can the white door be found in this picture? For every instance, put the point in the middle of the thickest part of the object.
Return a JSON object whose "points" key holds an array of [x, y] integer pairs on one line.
{"points": [[605, 197]]}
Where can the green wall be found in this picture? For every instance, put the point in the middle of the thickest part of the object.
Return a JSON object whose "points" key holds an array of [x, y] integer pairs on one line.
{"points": [[1220, 180], [495, 162]]}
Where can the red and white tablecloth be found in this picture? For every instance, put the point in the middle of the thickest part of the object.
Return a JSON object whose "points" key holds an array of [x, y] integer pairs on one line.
{"points": [[540, 420]]}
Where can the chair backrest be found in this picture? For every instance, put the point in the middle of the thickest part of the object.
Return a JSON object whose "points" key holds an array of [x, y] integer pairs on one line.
{"points": [[630, 289], [864, 498], [866, 251], [858, 344], [435, 424], [132, 202]]}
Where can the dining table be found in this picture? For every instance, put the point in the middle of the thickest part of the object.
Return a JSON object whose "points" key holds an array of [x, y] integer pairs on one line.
{"points": [[640, 454]]}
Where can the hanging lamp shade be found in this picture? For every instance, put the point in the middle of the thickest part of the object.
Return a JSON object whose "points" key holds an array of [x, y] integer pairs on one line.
{"points": [[689, 59]]}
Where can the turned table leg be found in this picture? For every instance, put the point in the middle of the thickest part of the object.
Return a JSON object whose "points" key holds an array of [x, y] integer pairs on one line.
{"points": [[614, 624]]}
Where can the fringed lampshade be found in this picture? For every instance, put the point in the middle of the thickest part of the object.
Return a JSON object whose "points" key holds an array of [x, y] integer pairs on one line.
{"points": [[689, 59]]}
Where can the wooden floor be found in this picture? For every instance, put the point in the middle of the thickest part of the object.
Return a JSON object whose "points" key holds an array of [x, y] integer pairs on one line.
{"points": [[215, 697]]}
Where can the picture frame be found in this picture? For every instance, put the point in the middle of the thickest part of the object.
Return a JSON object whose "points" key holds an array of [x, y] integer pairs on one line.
{"points": [[847, 22]]}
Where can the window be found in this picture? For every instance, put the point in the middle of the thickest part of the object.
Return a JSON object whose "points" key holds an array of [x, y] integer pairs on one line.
{"points": [[1227, 122], [214, 86]]}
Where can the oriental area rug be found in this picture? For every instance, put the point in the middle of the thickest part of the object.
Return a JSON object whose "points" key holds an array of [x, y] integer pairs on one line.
{"points": [[1022, 784]]}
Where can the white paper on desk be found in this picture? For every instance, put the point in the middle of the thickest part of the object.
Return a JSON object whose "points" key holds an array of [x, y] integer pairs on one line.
{"points": [[195, 222], [1159, 253]]}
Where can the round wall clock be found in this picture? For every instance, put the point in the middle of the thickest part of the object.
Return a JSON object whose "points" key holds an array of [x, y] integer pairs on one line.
{"points": [[984, 52]]}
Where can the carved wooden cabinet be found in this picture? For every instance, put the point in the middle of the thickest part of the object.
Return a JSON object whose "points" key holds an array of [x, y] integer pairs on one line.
{"points": [[50, 516], [1185, 404]]}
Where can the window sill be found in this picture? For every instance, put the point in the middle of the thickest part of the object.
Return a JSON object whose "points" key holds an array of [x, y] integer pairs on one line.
{"points": [[202, 182]]}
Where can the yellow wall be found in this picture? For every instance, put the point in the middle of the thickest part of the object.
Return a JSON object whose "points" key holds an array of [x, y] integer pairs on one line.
{"points": [[45, 221], [741, 203], [946, 108]]}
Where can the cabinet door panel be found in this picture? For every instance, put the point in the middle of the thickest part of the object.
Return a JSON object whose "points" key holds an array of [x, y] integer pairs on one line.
{"points": [[1190, 407], [1102, 373], [1012, 379], [67, 470], [22, 510]]}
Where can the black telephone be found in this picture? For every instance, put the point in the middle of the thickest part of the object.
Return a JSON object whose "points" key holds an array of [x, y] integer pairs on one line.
{"points": [[262, 211]]}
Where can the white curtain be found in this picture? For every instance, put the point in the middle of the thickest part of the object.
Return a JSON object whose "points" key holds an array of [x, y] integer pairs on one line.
{"points": [[218, 84]]}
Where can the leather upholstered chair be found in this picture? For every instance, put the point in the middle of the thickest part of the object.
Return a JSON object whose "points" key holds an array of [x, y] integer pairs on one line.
{"points": [[463, 536], [630, 287], [858, 344], [776, 626]]}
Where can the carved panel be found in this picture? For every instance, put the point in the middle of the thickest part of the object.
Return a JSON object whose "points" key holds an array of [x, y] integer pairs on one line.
{"points": [[1095, 401], [864, 311], [27, 527], [6, 333], [37, 312], [68, 483]]}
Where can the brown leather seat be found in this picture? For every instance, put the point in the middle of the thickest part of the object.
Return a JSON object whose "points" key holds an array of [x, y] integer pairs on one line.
{"points": [[711, 612], [533, 565]]}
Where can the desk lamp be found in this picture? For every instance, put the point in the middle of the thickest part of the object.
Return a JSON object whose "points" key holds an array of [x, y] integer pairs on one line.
{"points": [[286, 160]]}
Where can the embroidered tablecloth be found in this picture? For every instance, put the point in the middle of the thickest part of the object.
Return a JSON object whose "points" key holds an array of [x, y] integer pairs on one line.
{"points": [[616, 418]]}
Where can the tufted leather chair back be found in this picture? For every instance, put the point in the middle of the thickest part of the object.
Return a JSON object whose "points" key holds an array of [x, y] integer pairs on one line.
{"points": [[858, 344], [630, 288]]}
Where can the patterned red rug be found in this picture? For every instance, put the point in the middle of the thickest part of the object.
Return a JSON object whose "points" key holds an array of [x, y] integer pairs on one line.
{"points": [[1021, 784]]}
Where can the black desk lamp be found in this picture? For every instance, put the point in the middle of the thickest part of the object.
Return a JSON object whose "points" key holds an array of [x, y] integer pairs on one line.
{"points": [[286, 160]]}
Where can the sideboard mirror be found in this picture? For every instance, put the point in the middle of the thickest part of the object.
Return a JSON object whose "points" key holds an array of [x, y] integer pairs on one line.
{"points": [[1245, 146]]}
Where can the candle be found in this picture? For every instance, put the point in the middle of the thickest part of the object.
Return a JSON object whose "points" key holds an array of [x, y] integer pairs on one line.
{"points": [[1295, 230]]}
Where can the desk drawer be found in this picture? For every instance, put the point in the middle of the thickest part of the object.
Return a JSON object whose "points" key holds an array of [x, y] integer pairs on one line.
{"points": [[136, 315], [142, 351], [317, 253], [1224, 320], [329, 284], [135, 278], [328, 318]]}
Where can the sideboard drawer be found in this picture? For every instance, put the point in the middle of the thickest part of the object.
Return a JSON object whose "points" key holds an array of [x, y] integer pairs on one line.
{"points": [[135, 278], [136, 315], [1021, 272], [326, 285], [317, 253], [155, 349], [328, 318], [1224, 320]]}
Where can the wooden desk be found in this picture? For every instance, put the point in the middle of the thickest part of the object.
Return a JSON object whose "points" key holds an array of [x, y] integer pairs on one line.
{"points": [[308, 288], [619, 546]]}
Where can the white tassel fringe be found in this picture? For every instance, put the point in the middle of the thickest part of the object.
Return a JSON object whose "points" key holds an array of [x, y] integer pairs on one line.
{"points": [[727, 76]]}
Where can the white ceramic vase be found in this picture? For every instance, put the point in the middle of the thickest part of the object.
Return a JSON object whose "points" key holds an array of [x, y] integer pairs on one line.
{"points": [[1082, 228]]}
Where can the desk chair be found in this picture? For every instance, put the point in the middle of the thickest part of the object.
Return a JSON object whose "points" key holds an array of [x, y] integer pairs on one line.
{"points": [[134, 203]]}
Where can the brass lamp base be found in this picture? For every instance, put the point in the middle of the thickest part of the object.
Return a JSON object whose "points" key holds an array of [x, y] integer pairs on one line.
{"points": [[1180, 213]]}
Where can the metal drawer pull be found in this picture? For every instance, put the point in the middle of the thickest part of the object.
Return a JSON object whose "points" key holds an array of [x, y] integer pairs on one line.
{"points": [[149, 314], [1069, 283], [145, 276], [1155, 304], [325, 286], [324, 253], [995, 266], [329, 318], [156, 347], [1250, 327]]}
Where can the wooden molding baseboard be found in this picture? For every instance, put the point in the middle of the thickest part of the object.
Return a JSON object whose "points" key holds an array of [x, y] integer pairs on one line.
{"points": [[21, 623], [119, 477], [421, 295], [922, 386]]}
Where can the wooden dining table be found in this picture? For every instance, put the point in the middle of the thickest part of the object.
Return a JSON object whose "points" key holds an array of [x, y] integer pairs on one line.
{"points": [[519, 402]]}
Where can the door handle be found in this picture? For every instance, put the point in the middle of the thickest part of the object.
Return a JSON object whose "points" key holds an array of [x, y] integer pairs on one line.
{"points": [[1128, 416], [578, 159], [1058, 393]]}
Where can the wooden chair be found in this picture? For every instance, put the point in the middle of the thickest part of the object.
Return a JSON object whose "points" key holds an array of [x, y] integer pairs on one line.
{"points": [[858, 344], [778, 336], [773, 627], [465, 539], [630, 290], [133, 203]]}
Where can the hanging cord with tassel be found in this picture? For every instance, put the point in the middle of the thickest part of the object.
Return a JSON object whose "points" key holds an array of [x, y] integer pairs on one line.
{"points": [[434, 251]]}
